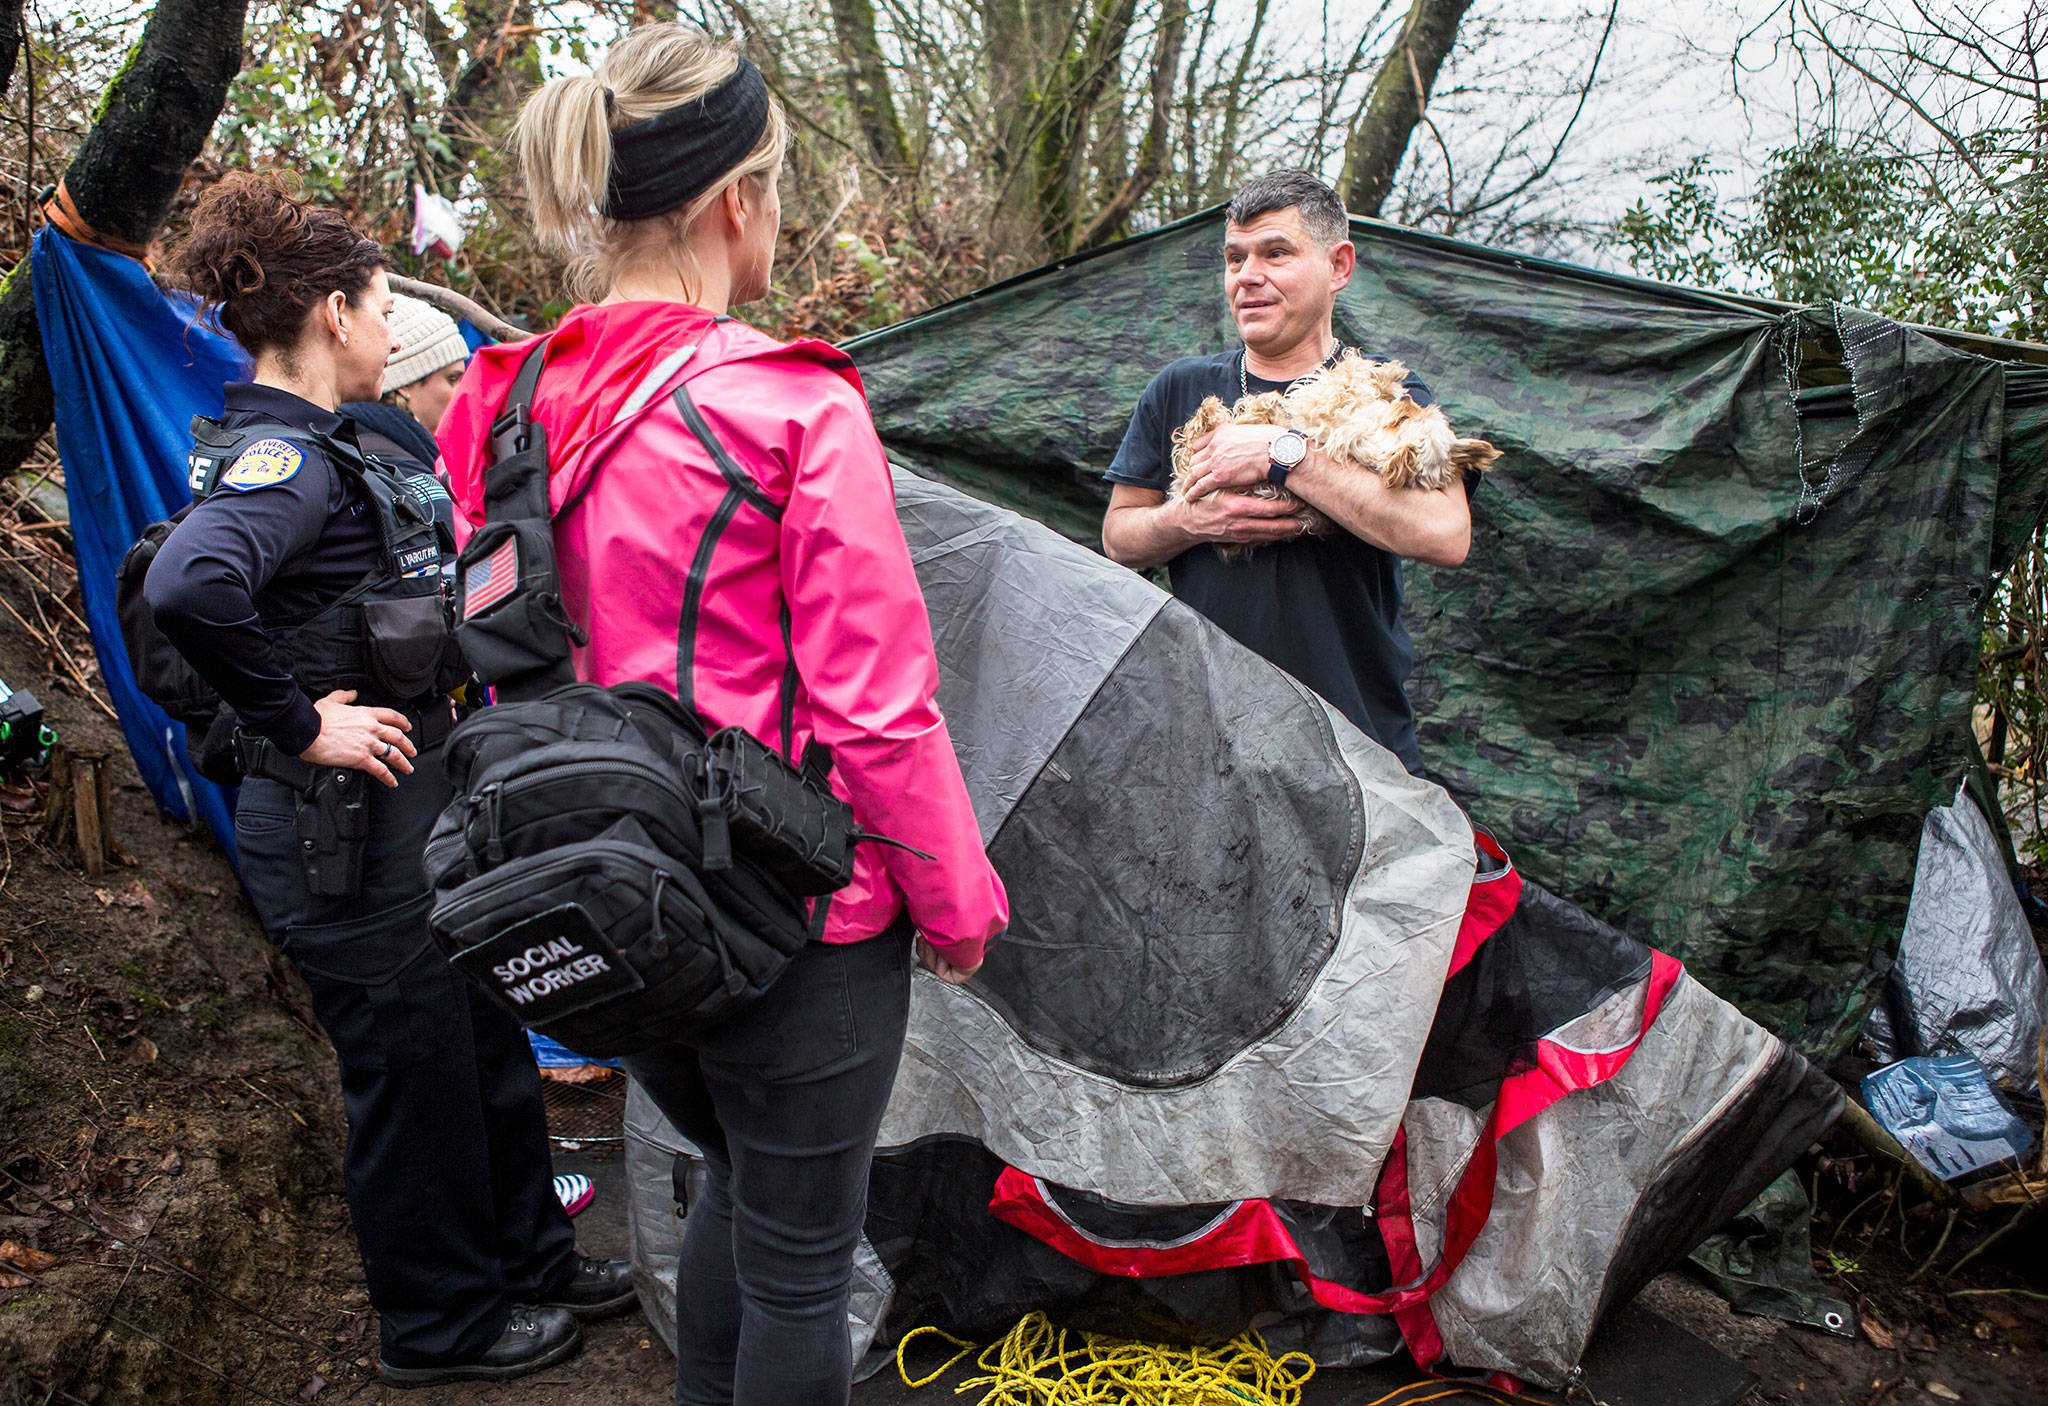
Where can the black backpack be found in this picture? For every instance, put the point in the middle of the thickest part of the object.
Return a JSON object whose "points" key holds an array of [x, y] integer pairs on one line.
{"points": [[611, 871], [570, 877], [162, 673]]}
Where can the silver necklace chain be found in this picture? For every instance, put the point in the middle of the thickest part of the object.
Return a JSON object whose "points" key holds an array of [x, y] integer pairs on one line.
{"points": [[1244, 384]]}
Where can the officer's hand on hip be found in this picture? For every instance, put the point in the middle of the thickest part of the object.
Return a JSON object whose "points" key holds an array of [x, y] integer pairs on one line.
{"points": [[367, 739]]}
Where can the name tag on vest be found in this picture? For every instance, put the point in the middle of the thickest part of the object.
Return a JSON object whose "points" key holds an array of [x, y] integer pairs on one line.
{"points": [[550, 965]]}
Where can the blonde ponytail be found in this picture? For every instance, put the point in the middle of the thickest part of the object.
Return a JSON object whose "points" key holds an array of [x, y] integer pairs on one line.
{"points": [[565, 149]]}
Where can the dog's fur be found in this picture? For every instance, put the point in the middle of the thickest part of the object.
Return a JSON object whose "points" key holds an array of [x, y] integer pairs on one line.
{"points": [[1359, 414]]}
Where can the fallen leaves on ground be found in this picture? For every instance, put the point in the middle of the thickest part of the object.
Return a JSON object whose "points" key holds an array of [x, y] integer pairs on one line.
{"points": [[19, 1256]]}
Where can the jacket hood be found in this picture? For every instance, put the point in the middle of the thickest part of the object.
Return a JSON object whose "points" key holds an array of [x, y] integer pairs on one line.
{"points": [[602, 353]]}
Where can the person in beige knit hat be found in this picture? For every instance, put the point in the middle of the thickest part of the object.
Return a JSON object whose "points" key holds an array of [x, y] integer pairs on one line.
{"points": [[422, 374]]}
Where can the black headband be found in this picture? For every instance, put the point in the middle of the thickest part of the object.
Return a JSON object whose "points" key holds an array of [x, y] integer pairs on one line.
{"points": [[674, 156]]}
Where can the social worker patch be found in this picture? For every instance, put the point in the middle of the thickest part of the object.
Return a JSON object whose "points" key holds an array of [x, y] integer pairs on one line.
{"points": [[550, 965], [263, 464]]}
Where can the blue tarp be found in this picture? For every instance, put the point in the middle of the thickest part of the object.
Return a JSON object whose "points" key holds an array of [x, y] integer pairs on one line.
{"points": [[548, 1054], [131, 367]]}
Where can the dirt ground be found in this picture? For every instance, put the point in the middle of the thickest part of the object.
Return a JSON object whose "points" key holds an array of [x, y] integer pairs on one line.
{"points": [[170, 1140]]}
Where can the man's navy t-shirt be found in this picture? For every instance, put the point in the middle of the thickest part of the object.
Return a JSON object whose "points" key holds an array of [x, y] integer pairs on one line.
{"points": [[1326, 609]]}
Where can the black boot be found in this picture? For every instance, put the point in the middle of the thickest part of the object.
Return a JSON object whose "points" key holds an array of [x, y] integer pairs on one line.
{"points": [[533, 1338], [598, 1289]]}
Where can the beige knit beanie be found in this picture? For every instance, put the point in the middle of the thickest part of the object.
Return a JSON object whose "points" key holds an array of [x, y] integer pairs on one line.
{"points": [[427, 341]]}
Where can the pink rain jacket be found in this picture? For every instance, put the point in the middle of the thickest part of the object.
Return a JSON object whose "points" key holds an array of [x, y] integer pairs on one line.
{"points": [[793, 417]]}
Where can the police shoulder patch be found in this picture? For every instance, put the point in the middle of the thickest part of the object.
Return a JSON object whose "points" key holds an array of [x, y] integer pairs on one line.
{"points": [[262, 464]]}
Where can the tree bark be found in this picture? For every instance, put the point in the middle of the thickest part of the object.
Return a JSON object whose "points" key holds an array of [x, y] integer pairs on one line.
{"points": [[149, 129], [498, 38], [1067, 106], [1394, 104], [10, 40], [1233, 108], [867, 85], [1111, 221]]}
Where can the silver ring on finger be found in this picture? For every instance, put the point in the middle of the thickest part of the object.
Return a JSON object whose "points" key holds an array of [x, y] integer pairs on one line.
{"points": [[385, 753]]}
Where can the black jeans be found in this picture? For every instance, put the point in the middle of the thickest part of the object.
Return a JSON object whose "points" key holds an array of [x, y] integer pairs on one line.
{"points": [[450, 1186], [784, 1101]]}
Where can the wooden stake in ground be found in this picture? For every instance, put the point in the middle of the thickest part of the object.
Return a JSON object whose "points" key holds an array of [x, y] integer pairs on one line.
{"points": [[80, 794]]}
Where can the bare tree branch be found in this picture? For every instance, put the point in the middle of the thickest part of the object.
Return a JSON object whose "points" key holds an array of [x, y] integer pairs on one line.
{"points": [[1173, 29], [1898, 93], [1396, 101], [1557, 148]]}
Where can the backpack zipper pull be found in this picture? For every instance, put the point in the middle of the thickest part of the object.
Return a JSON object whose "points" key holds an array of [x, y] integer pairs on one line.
{"points": [[657, 943], [713, 830], [494, 846], [859, 836]]}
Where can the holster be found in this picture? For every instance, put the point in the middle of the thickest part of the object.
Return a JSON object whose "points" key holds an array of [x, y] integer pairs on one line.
{"points": [[333, 814]]}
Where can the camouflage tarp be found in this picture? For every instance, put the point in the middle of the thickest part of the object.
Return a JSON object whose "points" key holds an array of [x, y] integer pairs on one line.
{"points": [[1709, 664]]}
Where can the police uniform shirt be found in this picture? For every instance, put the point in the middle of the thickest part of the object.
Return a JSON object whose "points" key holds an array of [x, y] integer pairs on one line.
{"points": [[284, 535]]}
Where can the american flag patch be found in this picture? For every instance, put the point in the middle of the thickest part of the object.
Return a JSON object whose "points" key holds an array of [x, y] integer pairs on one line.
{"points": [[489, 581]]}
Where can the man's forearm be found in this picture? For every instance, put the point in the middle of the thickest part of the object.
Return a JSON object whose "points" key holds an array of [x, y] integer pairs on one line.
{"points": [[1429, 525], [1142, 536]]}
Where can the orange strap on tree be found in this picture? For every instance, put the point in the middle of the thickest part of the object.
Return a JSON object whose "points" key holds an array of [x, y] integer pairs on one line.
{"points": [[62, 212]]}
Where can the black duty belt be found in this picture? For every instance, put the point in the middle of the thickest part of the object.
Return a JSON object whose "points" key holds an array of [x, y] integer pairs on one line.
{"points": [[333, 804], [431, 724]]}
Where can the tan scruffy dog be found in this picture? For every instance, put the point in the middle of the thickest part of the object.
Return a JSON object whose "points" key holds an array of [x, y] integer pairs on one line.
{"points": [[1358, 413]]}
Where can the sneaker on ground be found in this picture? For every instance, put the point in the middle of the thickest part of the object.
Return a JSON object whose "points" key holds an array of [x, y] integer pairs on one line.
{"points": [[598, 1289], [534, 1337], [574, 1191]]}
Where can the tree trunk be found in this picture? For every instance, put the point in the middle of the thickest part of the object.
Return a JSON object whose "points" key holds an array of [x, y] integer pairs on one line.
{"points": [[1233, 109], [1034, 52], [152, 125], [867, 85], [1064, 112], [10, 40], [1394, 104], [498, 38], [1111, 222]]}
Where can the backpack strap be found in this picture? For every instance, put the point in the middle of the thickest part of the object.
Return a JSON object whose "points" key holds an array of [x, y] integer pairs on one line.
{"points": [[516, 481], [739, 488], [511, 621]]}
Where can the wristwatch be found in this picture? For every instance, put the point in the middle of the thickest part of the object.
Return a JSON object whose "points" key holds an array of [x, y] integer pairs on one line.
{"points": [[1290, 447]]}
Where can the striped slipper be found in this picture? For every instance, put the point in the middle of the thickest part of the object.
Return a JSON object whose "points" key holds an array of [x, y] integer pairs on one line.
{"points": [[574, 1191]]}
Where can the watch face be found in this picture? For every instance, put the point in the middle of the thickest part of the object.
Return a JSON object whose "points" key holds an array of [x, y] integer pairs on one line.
{"points": [[1289, 448]]}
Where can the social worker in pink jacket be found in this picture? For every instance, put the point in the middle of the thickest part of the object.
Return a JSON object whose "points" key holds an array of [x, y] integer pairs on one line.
{"points": [[802, 518]]}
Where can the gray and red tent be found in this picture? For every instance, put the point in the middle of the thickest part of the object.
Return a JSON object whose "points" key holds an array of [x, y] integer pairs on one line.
{"points": [[1275, 1036]]}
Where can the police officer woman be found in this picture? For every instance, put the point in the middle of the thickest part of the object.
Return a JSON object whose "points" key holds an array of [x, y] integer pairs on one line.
{"points": [[306, 587], [727, 531], [419, 380]]}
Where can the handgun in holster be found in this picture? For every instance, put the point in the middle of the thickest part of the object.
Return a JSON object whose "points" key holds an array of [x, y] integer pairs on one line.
{"points": [[333, 814]]}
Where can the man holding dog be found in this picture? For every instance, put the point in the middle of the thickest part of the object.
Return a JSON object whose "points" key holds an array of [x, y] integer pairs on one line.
{"points": [[1326, 609]]}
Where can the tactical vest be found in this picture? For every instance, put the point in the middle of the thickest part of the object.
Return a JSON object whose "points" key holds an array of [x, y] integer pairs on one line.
{"points": [[390, 636]]}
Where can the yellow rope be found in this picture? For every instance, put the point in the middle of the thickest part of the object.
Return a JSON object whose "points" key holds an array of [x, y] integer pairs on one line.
{"points": [[1037, 1364], [911, 1336]]}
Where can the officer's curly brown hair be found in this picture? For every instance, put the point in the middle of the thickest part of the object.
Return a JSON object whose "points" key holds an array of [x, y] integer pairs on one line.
{"points": [[264, 258]]}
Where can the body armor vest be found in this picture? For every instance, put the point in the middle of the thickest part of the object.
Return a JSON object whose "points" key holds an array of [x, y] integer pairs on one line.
{"points": [[390, 636]]}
